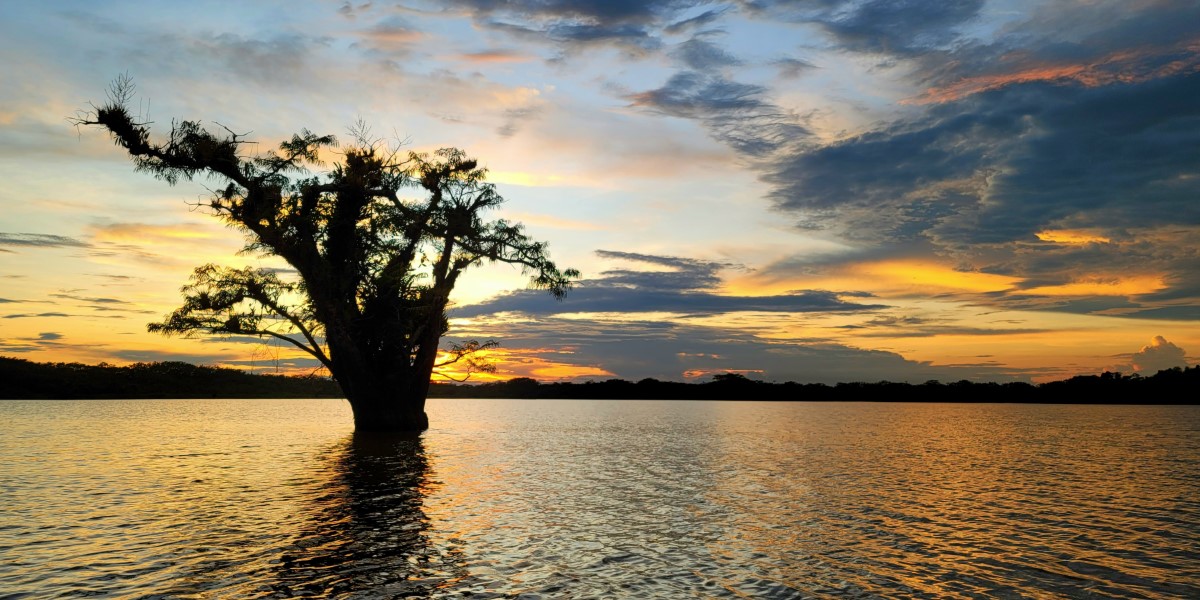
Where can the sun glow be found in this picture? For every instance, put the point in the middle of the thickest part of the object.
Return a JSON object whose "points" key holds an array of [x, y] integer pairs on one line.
{"points": [[922, 275]]}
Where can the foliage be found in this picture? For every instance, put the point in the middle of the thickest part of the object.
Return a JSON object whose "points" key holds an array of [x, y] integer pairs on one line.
{"points": [[374, 267]]}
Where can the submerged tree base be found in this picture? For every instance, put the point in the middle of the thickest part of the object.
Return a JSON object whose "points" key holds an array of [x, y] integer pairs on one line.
{"points": [[389, 420]]}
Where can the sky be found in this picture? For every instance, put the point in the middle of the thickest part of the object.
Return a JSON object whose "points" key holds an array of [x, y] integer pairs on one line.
{"points": [[816, 191]]}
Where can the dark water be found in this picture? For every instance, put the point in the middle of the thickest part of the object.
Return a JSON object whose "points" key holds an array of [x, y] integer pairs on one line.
{"points": [[546, 499]]}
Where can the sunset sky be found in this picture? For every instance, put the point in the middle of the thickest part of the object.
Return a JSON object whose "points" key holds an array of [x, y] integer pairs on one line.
{"points": [[806, 190]]}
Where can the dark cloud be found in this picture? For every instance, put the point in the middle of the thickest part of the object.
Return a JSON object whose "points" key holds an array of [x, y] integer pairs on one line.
{"points": [[1168, 313], [1103, 42], [700, 55], [629, 23], [34, 315], [281, 60], [1080, 117], [600, 297], [593, 11], [582, 34], [7, 300], [157, 356], [102, 304], [635, 350], [93, 300], [981, 176], [44, 240], [898, 26], [514, 117], [736, 114], [21, 345], [691, 94], [687, 288], [351, 10], [696, 22], [791, 68], [892, 27]]}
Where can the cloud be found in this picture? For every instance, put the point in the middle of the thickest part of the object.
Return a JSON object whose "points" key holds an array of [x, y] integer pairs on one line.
{"points": [[791, 68], [580, 23], [686, 286], [21, 345], [1157, 356], [889, 27], [696, 22], [904, 27], [980, 178], [699, 54], [736, 114], [281, 59], [499, 55], [393, 35], [41, 240], [637, 349], [91, 300]]}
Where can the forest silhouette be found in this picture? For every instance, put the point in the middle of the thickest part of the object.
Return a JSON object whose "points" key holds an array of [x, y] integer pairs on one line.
{"points": [[23, 379]]}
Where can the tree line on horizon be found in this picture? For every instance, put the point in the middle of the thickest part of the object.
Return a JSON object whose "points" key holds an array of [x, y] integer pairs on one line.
{"points": [[22, 379]]}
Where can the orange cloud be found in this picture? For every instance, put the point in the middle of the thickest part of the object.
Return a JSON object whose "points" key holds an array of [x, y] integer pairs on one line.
{"points": [[495, 56], [533, 363], [923, 275], [888, 278], [142, 232], [1103, 286], [1071, 236], [1126, 66]]}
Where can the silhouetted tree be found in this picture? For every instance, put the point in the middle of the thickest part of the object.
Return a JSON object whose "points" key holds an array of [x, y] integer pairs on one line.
{"points": [[375, 269]]}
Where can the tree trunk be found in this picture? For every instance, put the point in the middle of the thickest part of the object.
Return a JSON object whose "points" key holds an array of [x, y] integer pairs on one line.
{"points": [[388, 412]]}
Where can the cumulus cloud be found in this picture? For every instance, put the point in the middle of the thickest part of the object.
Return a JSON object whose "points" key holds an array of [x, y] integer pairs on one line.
{"points": [[1157, 356]]}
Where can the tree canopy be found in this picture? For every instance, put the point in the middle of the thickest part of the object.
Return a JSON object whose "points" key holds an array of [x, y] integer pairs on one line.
{"points": [[377, 241]]}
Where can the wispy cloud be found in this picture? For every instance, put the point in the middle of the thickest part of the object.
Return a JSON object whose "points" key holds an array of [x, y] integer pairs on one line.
{"points": [[40, 240]]}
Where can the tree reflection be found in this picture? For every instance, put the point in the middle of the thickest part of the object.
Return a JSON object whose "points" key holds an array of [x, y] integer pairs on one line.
{"points": [[369, 530]]}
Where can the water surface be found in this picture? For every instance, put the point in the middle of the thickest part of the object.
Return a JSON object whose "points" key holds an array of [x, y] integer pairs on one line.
{"points": [[599, 499]]}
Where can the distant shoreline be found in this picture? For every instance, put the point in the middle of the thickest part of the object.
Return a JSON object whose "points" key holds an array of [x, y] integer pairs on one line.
{"points": [[21, 379]]}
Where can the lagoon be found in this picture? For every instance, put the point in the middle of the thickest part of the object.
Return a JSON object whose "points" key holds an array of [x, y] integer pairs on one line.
{"points": [[599, 499]]}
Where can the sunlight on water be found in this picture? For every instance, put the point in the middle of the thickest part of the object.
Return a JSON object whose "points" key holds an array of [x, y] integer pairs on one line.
{"points": [[574, 499]]}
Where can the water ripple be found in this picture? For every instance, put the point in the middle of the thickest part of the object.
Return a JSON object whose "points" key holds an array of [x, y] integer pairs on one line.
{"points": [[540, 499]]}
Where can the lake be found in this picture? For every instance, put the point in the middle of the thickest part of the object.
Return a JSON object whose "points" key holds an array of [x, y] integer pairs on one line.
{"points": [[599, 499]]}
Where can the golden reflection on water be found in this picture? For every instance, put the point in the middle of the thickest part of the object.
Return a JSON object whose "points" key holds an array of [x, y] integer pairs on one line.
{"points": [[366, 528], [547, 499]]}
